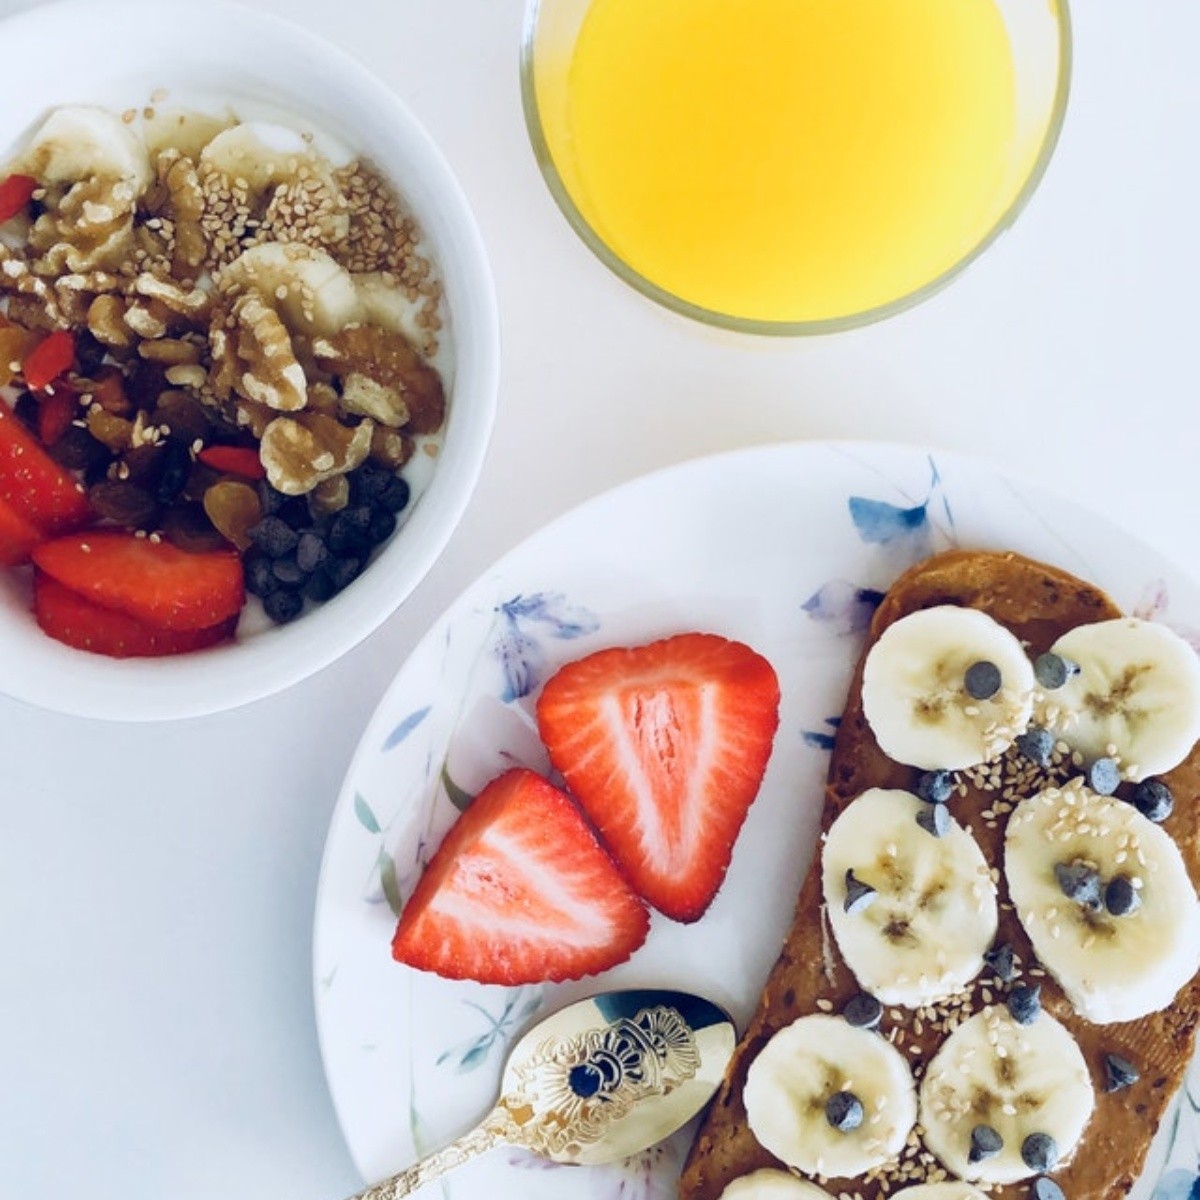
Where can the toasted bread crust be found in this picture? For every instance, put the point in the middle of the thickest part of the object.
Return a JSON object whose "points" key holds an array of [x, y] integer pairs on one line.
{"points": [[1038, 603]]}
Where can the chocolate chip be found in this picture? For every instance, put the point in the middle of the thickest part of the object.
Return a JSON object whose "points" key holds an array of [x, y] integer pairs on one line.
{"points": [[982, 680], [935, 787], [934, 819], [1153, 799], [1044, 1188], [1039, 1152], [1080, 883], [863, 1011], [1000, 960], [985, 1142], [1052, 670], [1104, 776], [273, 536], [1037, 745], [844, 1111], [859, 895], [1119, 1073], [1025, 1004], [1121, 897], [283, 606]]}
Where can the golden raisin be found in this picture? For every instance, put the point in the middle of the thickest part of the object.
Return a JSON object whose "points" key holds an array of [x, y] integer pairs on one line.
{"points": [[233, 508], [115, 432]]}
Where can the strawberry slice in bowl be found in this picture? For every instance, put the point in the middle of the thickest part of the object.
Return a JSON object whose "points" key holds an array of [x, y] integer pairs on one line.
{"points": [[75, 621], [34, 485], [520, 891], [665, 746], [154, 582]]}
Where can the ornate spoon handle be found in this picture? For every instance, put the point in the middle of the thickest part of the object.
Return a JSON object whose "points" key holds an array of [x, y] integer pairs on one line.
{"points": [[484, 1137]]}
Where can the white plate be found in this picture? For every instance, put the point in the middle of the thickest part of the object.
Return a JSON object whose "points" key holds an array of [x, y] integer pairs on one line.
{"points": [[780, 547]]}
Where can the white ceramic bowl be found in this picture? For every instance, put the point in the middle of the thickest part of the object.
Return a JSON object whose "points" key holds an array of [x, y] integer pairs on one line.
{"points": [[118, 53]]}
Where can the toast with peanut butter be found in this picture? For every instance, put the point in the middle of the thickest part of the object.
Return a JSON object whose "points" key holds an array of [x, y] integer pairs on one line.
{"points": [[991, 972]]}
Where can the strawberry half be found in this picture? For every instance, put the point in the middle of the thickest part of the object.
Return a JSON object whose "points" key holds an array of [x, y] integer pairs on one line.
{"points": [[70, 618], [17, 536], [34, 485], [154, 582], [520, 891], [665, 747]]}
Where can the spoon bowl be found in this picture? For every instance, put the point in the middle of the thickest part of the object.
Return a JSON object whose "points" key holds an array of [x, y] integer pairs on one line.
{"points": [[595, 1082]]}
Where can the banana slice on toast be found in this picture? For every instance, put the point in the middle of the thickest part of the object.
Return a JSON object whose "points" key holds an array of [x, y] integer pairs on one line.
{"points": [[1134, 688], [1001, 1101], [947, 688], [830, 1099], [1105, 898], [912, 912]]}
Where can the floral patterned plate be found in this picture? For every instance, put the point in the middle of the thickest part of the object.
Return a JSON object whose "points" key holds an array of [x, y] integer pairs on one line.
{"points": [[785, 547]]}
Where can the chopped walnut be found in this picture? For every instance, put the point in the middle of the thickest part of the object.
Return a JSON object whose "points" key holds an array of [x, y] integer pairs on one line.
{"points": [[390, 448], [300, 452], [188, 302], [172, 352], [189, 247], [269, 372], [384, 377], [106, 322], [91, 228]]}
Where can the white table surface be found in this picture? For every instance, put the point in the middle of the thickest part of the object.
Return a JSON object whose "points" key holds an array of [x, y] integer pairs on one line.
{"points": [[157, 883]]}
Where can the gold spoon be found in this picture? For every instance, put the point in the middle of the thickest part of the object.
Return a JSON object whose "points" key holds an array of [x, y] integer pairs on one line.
{"points": [[595, 1082]]}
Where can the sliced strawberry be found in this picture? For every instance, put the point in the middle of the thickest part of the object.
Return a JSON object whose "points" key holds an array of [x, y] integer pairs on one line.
{"points": [[153, 582], [70, 618], [665, 746], [17, 536], [234, 460], [34, 485], [16, 191], [520, 891]]}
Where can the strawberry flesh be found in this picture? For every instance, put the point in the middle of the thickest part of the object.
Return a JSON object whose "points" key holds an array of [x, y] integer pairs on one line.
{"points": [[76, 621], [520, 891], [156, 583], [17, 536], [34, 485], [665, 746]]}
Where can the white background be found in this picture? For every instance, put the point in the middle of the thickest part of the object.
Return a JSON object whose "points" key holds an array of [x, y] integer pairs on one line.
{"points": [[157, 882]]}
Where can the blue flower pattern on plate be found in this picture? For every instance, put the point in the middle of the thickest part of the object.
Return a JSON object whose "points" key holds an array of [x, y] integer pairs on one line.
{"points": [[520, 653]]}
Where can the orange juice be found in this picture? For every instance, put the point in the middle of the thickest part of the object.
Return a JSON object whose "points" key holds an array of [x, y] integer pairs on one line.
{"points": [[786, 160]]}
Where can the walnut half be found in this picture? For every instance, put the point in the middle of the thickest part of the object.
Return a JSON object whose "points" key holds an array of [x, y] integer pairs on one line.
{"points": [[301, 451]]}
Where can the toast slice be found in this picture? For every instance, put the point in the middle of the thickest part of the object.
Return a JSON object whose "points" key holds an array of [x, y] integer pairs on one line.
{"points": [[1038, 603]]}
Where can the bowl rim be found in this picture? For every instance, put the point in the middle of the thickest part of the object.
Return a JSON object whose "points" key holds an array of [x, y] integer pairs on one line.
{"points": [[752, 325], [239, 673]]}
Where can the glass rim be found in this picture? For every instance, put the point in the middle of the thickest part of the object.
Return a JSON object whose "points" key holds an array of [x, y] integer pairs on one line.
{"points": [[755, 325]]}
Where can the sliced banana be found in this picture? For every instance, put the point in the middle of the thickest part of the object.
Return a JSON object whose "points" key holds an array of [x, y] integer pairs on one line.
{"points": [[385, 305], [77, 142], [1022, 1081], [1112, 968], [952, 1190], [797, 1075], [769, 1184], [915, 695], [1137, 690], [311, 291], [257, 157], [923, 933]]}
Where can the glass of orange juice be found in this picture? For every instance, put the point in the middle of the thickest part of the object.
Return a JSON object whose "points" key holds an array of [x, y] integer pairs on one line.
{"points": [[793, 166]]}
